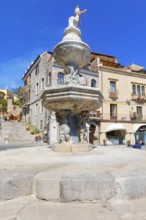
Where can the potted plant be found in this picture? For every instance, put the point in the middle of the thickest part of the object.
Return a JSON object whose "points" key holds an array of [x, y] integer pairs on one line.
{"points": [[27, 126], [32, 130]]}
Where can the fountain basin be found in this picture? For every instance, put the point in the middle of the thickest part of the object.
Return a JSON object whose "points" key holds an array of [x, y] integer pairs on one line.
{"points": [[73, 97], [72, 52]]}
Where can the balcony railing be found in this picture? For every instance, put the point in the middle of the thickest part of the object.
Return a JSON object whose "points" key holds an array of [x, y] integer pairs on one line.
{"points": [[113, 118], [140, 98], [124, 117], [113, 94]]}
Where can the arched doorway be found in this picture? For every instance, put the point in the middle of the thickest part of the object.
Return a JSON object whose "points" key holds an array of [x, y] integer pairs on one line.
{"points": [[140, 134]]}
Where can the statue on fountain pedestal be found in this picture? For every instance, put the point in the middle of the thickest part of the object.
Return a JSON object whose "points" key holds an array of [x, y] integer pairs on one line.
{"points": [[75, 20]]}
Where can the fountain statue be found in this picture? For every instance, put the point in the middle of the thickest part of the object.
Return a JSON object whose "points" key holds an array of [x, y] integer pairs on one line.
{"points": [[72, 101]]}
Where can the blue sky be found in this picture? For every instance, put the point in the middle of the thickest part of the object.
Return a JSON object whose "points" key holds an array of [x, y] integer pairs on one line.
{"points": [[30, 27]]}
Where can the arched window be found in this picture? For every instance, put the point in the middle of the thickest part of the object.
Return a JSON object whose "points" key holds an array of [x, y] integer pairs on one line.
{"points": [[133, 89], [60, 78], [93, 83], [37, 88], [42, 84]]}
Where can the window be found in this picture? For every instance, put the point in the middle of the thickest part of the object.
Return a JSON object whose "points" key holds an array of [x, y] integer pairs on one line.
{"points": [[30, 79], [36, 108], [37, 70], [143, 90], [42, 84], [41, 107], [133, 89], [112, 86], [41, 124], [139, 112], [60, 78], [113, 111], [138, 90], [49, 79], [37, 88], [93, 83]]}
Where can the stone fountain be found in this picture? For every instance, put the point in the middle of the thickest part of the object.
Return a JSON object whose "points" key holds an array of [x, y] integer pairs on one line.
{"points": [[73, 101]]}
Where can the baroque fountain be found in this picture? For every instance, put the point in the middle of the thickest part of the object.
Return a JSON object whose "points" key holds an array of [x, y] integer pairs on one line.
{"points": [[73, 101]]}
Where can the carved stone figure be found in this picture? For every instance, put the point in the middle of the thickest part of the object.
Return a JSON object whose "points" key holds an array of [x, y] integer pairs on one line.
{"points": [[75, 20], [82, 126], [64, 129], [72, 76]]}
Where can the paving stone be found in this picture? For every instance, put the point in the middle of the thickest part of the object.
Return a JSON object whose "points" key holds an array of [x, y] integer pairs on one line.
{"points": [[130, 210], [9, 209], [66, 211]]}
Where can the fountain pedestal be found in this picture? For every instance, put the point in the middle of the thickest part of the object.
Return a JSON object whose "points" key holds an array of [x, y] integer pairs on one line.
{"points": [[72, 104], [73, 101]]}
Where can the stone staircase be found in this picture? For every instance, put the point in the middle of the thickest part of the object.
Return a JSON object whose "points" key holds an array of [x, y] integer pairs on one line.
{"points": [[14, 132]]}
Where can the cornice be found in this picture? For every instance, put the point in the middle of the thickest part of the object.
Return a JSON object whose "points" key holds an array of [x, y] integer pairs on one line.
{"points": [[122, 72]]}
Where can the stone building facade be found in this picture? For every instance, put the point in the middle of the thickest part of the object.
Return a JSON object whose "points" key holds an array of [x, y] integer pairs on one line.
{"points": [[45, 72], [122, 117]]}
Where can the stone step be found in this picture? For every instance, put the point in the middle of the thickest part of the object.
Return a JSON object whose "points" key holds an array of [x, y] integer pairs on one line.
{"points": [[85, 186], [71, 186]]}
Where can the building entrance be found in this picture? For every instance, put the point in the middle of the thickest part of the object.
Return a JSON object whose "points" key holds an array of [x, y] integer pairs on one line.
{"points": [[115, 137], [140, 134]]}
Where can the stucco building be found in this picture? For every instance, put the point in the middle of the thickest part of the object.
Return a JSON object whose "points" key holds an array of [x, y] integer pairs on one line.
{"points": [[122, 117], [123, 113]]}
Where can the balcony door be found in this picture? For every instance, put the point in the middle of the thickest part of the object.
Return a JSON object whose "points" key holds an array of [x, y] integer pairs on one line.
{"points": [[113, 111], [139, 112]]}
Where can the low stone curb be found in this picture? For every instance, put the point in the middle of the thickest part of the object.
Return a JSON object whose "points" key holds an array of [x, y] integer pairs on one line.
{"points": [[15, 184], [89, 186]]}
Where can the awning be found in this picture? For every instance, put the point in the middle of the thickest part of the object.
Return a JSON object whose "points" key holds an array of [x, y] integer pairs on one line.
{"points": [[115, 126]]}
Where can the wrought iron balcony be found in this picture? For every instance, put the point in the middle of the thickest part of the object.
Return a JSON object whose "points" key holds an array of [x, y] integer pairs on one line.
{"points": [[135, 118], [139, 98]]}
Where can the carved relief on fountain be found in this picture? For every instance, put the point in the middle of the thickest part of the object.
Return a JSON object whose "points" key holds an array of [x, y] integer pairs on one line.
{"points": [[64, 125], [82, 126]]}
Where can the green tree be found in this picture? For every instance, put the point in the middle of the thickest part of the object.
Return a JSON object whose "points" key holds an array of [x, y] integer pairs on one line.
{"points": [[19, 93]]}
